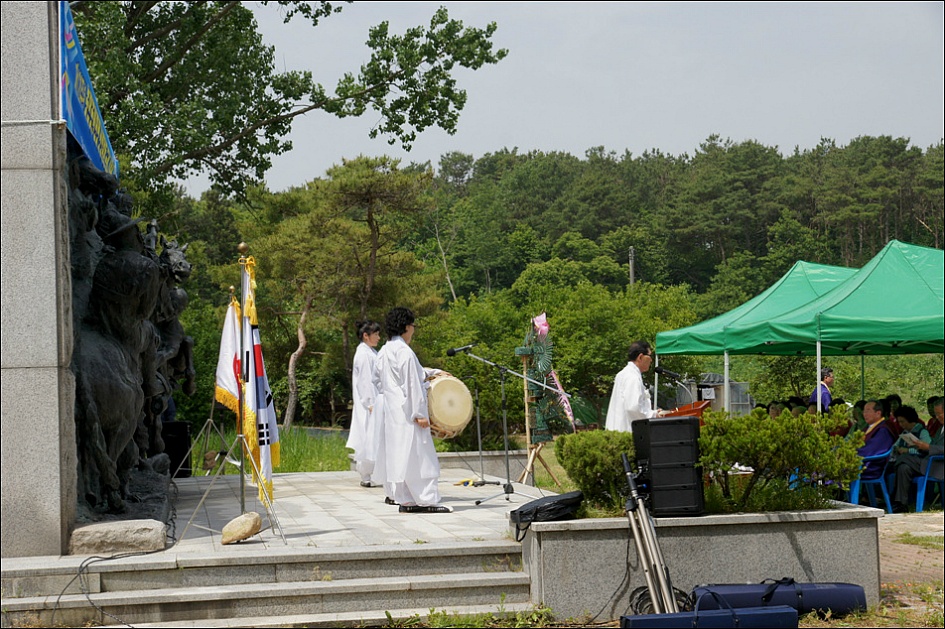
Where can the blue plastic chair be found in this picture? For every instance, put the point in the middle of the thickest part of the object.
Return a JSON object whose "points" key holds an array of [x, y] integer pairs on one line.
{"points": [[923, 481], [853, 496]]}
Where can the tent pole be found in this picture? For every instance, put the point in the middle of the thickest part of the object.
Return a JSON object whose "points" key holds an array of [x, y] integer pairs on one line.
{"points": [[862, 376], [656, 384], [817, 380], [727, 404]]}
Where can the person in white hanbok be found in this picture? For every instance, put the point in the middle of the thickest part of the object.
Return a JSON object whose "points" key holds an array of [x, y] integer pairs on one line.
{"points": [[630, 399], [363, 435], [409, 462]]}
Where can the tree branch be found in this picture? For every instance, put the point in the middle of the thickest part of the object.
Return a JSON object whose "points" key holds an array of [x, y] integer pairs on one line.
{"points": [[156, 34], [172, 61], [136, 12], [233, 139]]}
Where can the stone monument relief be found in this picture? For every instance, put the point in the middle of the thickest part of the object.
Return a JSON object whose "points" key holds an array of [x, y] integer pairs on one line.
{"points": [[130, 354]]}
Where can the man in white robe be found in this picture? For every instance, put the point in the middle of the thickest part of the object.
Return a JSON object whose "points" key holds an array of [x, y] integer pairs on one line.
{"points": [[411, 469], [630, 398]]}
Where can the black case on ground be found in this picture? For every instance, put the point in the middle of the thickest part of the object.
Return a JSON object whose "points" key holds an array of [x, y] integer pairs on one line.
{"points": [[774, 616], [839, 598], [547, 509]]}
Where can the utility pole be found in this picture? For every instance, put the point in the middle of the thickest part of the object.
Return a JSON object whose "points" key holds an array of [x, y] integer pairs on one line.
{"points": [[632, 255]]}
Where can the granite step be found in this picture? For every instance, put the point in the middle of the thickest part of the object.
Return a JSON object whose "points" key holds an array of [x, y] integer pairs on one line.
{"points": [[273, 600], [37, 577], [371, 618]]}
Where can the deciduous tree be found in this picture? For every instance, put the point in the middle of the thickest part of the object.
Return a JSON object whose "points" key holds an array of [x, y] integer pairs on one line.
{"points": [[190, 87]]}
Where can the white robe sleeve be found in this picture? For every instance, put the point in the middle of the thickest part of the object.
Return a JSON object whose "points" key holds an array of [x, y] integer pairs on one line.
{"points": [[414, 388]]}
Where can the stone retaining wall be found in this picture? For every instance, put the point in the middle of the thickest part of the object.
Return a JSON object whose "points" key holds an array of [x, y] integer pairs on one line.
{"points": [[587, 568]]}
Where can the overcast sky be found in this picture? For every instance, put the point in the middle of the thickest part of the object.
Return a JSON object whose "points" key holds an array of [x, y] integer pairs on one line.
{"points": [[639, 76]]}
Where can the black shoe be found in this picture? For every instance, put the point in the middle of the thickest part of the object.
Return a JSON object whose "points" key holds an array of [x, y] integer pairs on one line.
{"points": [[438, 509], [367, 483], [898, 507], [410, 509], [390, 501]]}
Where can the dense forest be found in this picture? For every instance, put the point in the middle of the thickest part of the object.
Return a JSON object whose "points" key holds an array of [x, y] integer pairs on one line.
{"points": [[477, 247], [613, 247]]}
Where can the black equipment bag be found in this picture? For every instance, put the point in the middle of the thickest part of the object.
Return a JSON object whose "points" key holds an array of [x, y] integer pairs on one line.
{"points": [[839, 598], [722, 615], [547, 509]]}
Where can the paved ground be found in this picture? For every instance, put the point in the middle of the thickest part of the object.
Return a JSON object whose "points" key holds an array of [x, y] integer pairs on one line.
{"points": [[908, 563], [331, 510]]}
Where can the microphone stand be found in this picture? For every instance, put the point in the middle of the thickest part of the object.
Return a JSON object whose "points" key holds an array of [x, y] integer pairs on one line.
{"points": [[482, 474], [508, 488], [662, 372], [682, 384]]}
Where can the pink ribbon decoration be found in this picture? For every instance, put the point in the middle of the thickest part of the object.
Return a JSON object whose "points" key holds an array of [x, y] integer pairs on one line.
{"points": [[541, 325], [563, 399]]}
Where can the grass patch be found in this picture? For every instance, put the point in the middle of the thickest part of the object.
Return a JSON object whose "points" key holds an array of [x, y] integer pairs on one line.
{"points": [[536, 617], [299, 451], [932, 542], [901, 605], [543, 479]]}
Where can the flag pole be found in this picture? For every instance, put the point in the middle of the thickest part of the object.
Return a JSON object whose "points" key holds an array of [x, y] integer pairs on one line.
{"points": [[243, 249]]}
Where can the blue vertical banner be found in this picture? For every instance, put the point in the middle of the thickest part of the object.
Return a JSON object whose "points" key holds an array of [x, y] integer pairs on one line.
{"points": [[79, 105]]}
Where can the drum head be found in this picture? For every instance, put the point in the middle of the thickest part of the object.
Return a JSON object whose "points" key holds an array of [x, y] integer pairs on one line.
{"points": [[450, 405]]}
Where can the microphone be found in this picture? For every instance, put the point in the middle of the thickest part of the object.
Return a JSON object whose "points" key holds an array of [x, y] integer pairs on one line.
{"points": [[456, 350], [667, 372]]}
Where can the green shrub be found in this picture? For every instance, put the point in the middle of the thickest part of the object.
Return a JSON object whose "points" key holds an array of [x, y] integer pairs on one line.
{"points": [[775, 495], [592, 460], [777, 451]]}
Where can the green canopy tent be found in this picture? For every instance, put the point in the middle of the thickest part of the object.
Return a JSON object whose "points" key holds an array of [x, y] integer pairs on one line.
{"points": [[893, 305], [803, 283]]}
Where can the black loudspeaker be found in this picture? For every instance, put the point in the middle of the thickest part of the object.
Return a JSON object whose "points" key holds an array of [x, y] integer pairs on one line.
{"points": [[667, 454], [176, 437]]}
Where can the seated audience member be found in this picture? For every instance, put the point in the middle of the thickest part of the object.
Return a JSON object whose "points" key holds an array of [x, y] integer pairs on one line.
{"points": [[843, 428], [936, 405], [910, 450], [891, 403], [797, 405], [909, 423], [775, 408], [936, 447], [859, 424], [878, 439]]}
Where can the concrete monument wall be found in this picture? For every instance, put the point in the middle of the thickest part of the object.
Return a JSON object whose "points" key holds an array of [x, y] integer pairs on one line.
{"points": [[37, 430]]}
